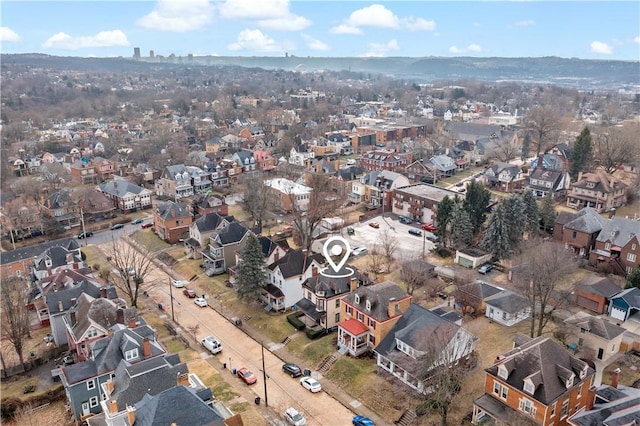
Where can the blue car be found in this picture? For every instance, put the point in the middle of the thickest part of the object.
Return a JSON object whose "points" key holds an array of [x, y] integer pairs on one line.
{"points": [[136, 221], [362, 421]]}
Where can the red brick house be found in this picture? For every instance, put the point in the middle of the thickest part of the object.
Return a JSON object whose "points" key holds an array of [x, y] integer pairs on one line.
{"points": [[171, 221], [599, 190], [593, 293], [617, 247], [579, 230], [384, 160], [265, 160]]}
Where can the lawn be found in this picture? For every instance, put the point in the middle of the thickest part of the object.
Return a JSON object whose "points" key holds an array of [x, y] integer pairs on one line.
{"points": [[13, 386], [312, 351], [629, 365], [174, 346], [149, 240], [95, 257]]}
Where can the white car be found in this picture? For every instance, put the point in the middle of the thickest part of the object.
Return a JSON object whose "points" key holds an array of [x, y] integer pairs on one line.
{"points": [[294, 417], [200, 301], [359, 251], [311, 384], [179, 283], [212, 344]]}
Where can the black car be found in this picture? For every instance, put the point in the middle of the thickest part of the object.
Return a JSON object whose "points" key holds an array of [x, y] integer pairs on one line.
{"points": [[292, 369], [416, 232], [405, 220], [116, 226], [86, 234]]}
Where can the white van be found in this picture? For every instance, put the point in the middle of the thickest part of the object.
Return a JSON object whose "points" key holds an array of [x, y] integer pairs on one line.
{"points": [[212, 344]]}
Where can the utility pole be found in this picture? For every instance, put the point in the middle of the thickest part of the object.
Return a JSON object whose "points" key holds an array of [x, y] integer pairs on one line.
{"points": [[83, 230], [264, 378], [171, 297]]}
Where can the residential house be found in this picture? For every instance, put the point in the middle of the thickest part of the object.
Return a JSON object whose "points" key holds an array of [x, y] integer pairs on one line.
{"points": [[504, 177], [19, 262], [265, 162], [625, 304], [444, 166], [617, 248], [537, 381], [203, 204], [285, 193], [341, 142], [174, 182], [593, 337], [246, 160], [323, 293], [579, 230], [376, 189], [594, 292], [375, 161], [598, 190], [199, 179], [272, 251], [90, 319], [18, 166], [285, 278], [62, 207], [344, 178], [251, 134], [200, 232], [83, 381], [104, 168], [419, 341], [171, 221], [219, 177], [55, 259], [83, 172], [543, 181], [368, 314], [478, 140], [611, 405], [126, 196], [550, 161], [422, 171], [300, 154], [471, 297], [231, 169], [220, 255], [20, 216], [420, 201], [507, 308], [95, 206]]}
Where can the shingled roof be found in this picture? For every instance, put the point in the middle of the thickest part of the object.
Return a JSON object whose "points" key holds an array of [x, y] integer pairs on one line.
{"points": [[294, 262], [7, 257], [160, 410], [380, 295]]}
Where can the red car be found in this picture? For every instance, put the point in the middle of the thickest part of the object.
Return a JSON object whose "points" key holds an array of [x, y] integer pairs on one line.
{"points": [[146, 225], [428, 227], [189, 293], [374, 225], [247, 376]]}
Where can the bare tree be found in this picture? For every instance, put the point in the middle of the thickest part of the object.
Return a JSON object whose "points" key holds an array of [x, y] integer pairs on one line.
{"points": [[132, 268], [615, 146], [375, 261], [15, 316], [388, 242], [543, 266], [543, 121], [504, 149], [256, 199], [415, 274], [29, 187], [55, 174]]}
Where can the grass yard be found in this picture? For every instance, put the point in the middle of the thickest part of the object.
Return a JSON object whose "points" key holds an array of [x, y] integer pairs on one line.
{"points": [[95, 257], [149, 240], [54, 414], [312, 351], [629, 365], [174, 346], [238, 212]]}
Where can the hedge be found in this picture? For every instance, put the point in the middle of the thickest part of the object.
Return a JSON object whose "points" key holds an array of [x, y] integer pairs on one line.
{"points": [[294, 320]]}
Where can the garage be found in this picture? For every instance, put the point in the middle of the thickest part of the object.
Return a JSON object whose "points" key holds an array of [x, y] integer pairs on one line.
{"points": [[618, 313]]}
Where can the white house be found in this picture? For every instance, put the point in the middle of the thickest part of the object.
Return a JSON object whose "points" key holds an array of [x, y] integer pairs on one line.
{"points": [[285, 277], [300, 154], [507, 308]]}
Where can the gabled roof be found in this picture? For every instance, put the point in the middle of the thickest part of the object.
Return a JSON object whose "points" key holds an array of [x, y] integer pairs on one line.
{"points": [[211, 222], [120, 188], [7, 257], [58, 256], [543, 356], [380, 296], [599, 182], [90, 311], [443, 162], [614, 407], [596, 326], [546, 175], [480, 289], [160, 410], [602, 286], [68, 296], [508, 301], [587, 220], [267, 245], [619, 231], [294, 262], [232, 233], [631, 296], [338, 284], [171, 210]]}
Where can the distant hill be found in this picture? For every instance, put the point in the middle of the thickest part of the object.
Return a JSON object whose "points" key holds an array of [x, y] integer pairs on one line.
{"points": [[562, 71]]}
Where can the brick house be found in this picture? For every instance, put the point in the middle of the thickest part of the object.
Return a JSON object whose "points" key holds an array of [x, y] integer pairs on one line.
{"points": [[104, 168], [419, 202], [617, 248], [599, 190], [126, 196], [593, 293], [171, 221], [538, 380], [265, 161], [579, 230], [83, 172], [384, 160]]}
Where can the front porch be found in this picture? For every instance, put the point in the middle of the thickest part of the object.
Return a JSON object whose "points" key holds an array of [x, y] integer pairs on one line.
{"points": [[353, 337], [489, 411], [273, 297]]}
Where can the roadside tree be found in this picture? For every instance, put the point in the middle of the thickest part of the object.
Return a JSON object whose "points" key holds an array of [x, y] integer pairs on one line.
{"points": [[250, 276], [15, 316], [132, 268]]}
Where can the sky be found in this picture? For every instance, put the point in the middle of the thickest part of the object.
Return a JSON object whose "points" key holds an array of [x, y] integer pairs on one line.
{"points": [[351, 28]]}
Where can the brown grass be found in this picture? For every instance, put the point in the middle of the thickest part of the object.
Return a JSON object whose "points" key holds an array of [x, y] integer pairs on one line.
{"points": [[627, 375], [54, 414]]}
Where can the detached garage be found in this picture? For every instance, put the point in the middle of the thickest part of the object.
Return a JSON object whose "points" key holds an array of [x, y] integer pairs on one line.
{"points": [[625, 304], [472, 257]]}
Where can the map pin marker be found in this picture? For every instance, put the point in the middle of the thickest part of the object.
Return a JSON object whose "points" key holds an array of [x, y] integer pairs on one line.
{"points": [[334, 251]]}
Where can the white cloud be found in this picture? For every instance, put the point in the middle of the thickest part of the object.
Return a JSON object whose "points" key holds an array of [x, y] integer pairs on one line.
{"points": [[637, 40], [7, 34], [102, 39], [474, 48], [379, 16], [285, 23], [525, 23], [178, 15], [601, 48], [380, 49], [257, 41], [315, 44], [252, 9]]}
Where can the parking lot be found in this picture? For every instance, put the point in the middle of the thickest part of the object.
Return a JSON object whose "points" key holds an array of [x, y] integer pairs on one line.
{"points": [[409, 246]]}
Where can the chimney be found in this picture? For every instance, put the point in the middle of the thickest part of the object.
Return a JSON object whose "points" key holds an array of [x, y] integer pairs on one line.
{"points": [[110, 387], [391, 307], [591, 398], [110, 332], [146, 347], [113, 406], [183, 380], [120, 316], [615, 375], [308, 165], [73, 317], [381, 278], [353, 285], [579, 176], [132, 323], [60, 305], [103, 292], [131, 415]]}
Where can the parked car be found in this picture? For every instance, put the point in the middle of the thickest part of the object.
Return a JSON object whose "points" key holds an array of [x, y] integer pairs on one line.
{"points": [[212, 344], [292, 369], [459, 183], [37, 233], [137, 221], [374, 225], [200, 301], [116, 226], [247, 376], [85, 234], [294, 417], [179, 283], [486, 268], [432, 238], [189, 293], [362, 421], [359, 251], [429, 227], [146, 225], [311, 384], [405, 220], [416, 232]]}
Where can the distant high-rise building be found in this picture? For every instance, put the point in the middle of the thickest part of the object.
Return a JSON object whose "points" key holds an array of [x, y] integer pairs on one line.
{"points": [[151, 54], [190, 57], [136, 52]]}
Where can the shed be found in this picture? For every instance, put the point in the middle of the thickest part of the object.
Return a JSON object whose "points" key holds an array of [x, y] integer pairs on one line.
{"points": [[472, 257]]}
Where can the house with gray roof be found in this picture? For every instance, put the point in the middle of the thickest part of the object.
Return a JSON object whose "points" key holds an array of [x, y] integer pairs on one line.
{"points": [[127, 344], [419, 341], [613, 405], [220, 254], [507, 308], [126, 196], [55, 259], [200, 232], [542, 181], [617, 248], [504, 177], [600, 190], [175, 182], [471, 297], [285, 277], [171, 221], [579, 230], [594, 337], [625, 304], [594, 292], [246, 160]]}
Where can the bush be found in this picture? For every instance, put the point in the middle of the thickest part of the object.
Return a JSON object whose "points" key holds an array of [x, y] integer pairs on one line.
{"points": [[423, 409], [314, 334], [294, 320]]}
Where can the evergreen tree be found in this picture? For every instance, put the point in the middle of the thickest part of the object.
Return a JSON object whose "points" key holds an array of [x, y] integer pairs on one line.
{"points": [[496, 238], [476, 202], [633, 279], [526, 146], [461, 227], [531, 213], [548, 212], [581, 153], [250, 276], [514, 214], [443, 217]]}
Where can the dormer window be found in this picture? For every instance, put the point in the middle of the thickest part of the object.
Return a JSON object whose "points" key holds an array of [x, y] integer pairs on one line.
{"points": [[368, 305], [131, 355], [528, 387], [570, 380], [583, 372], [356, 299], [502, 372]]}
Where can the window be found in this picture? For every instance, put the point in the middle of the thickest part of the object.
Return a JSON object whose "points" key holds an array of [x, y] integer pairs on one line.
{"points": [[633, 246], [337, 303], [360, 317], [356, 299], [91, 384], [631, 257], [565, 409], [574, 234], [372, 323], [502, 372], [496, 388], [337, 318], [528, 387], [349, 310], [93, 401], [553, 409], [607, 246], [505, 391], [579, 391], [92, 333], [132, 354]]}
